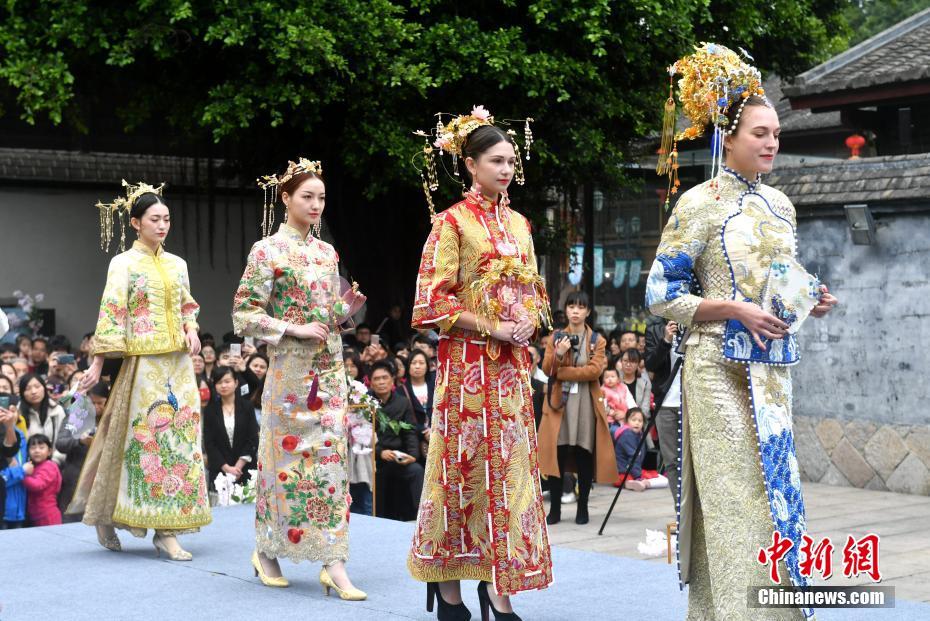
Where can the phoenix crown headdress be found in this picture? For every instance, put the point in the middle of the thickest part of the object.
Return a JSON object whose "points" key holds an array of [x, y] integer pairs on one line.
{"points": [[270, 184], [713, 79], [450, 138], [118, 212]]}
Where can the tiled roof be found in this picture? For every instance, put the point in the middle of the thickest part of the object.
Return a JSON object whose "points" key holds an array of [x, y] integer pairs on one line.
{"points": [[797, 120], [898, 54], [74, 167], [894, 178]]}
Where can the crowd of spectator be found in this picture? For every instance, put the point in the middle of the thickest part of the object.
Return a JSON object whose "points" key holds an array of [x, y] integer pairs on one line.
{"points": [[396, 364]]}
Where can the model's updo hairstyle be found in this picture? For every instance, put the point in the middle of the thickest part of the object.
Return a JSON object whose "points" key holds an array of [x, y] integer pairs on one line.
{"points": [[481, 140], [290, 186], [143, 202], [752, 100]]}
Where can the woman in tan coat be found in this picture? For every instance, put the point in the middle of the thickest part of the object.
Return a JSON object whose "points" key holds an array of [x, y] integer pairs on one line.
{"points": [[574, 424]]}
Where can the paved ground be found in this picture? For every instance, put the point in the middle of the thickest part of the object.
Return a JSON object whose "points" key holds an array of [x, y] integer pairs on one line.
{"points": [[900, 520]]}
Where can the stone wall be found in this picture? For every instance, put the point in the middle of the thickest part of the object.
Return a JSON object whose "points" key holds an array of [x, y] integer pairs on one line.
{"points": [[862, 388]]}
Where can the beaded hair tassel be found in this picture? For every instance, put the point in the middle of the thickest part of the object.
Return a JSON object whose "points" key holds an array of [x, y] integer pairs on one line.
{"points": [[668, 149]]}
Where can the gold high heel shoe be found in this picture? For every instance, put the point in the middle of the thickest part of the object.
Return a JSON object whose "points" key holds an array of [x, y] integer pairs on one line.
{"points": [[267, 580], [108, 539], [179, 555], [350, 595]]}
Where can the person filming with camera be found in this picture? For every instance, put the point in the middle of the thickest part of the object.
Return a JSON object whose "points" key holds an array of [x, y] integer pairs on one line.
{"points": [[573, 433]]}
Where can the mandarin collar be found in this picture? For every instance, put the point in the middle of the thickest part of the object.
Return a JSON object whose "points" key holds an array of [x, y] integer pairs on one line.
{"points": [[291, 233], [481, 201], [731, 179], [144, 249]]}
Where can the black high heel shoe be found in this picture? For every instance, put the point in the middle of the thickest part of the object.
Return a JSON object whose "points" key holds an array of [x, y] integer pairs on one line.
{"points": [[487, 606], [447, 611]]}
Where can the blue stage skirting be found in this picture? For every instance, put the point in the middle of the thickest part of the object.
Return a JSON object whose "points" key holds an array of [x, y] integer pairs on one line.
{"points": [[61, 572]]}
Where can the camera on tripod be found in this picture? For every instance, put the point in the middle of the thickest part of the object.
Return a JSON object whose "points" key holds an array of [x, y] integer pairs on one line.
{"points": [[574, 339]]}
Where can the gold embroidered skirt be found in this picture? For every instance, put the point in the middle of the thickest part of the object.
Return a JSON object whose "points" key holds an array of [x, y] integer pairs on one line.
{"points": [[145, 467], [725, 517]]}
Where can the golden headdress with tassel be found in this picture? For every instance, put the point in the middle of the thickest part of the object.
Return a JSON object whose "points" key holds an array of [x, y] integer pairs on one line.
{"points": [[118, 212], [270, 184], [714, 78], [450, 137]]}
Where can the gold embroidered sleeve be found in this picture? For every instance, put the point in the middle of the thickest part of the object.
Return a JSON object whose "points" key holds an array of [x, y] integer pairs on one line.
{"points": [[672, 283], [110, 333], [436, 304]]}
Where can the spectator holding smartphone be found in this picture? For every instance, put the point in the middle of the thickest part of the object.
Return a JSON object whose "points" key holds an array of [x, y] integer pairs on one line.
{"points": [[397, 446]]}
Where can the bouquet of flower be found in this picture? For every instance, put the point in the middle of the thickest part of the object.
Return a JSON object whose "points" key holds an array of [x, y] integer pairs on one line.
{"points": [[362, 410], [228, 492], [81, 412], [33, 319], [363, 405], [333, 300]]}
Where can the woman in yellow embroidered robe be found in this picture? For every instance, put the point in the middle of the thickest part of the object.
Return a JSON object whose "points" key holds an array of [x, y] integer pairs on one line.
{"points": [[145, 467], [481, 515], [739, 474], [302, 505]]}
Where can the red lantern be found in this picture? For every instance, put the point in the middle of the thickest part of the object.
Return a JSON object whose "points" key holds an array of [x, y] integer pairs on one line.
{"points": [[854, 143]]}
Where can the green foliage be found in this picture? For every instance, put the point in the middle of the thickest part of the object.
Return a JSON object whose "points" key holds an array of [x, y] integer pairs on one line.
{"points": [[352, 78], [869, 17]]}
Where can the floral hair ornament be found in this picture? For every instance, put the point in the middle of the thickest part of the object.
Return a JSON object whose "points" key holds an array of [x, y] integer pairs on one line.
{"points": [[270, 185], [450, 137], [118, 212], [713, 79]]}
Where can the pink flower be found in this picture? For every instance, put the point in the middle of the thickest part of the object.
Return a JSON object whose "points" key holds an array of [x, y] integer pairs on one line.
{"points": [[304, 485], [171, 485], [472, 379], [327, 420], [441, 143], [188, 489], [260, 505], [318, 511], [158, 474], [149, 462], [480, 112], [179, 469], [143, 435], [336, 402]]}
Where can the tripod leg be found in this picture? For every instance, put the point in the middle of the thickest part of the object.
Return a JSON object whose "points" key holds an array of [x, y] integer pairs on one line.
{"points": [[629, 468]]}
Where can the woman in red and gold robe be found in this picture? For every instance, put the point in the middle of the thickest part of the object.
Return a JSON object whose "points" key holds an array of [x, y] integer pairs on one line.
{"points": [[481, 515]]}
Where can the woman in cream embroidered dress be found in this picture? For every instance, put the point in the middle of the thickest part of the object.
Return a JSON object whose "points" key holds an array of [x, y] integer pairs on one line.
{"points": [[145, 467], [302, 508], [481, 515], [723, 235]]}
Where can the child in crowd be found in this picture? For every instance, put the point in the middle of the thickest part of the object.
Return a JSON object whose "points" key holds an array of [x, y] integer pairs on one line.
{"points": [[43, 482], [14, 513], [626, 438], [617, 397]]}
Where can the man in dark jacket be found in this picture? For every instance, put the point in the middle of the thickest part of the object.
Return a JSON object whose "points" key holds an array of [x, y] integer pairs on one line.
{"points": [[397, 447], [660, 354]]}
